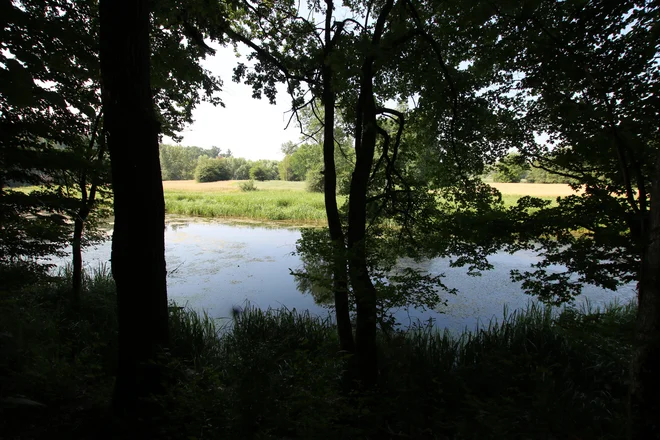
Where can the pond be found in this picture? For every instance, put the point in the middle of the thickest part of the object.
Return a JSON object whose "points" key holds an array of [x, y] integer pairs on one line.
{"points": [[216, 265]]}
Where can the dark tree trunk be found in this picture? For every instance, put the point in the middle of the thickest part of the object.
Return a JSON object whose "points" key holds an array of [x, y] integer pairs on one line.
{"points": [[363, 288], [644, 399], [87, 203], [77, 259], [339, 271], [365, 147], [138, 248]]}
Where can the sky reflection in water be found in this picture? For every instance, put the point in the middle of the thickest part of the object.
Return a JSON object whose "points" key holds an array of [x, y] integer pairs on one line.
{"points": [[215, 265]]}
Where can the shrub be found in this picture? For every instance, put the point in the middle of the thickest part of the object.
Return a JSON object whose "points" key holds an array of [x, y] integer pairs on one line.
{"points": [[258, 172], [211, 170], [315, 180], [248, 186]]}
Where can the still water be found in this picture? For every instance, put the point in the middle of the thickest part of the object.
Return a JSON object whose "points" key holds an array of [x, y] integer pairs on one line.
{"points": [[215, 265]]}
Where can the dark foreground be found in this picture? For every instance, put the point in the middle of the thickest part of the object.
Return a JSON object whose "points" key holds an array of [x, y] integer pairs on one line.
{"points": [[277, 375]]}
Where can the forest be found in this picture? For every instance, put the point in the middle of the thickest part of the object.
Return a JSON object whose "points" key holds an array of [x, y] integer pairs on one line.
{"points": [[408, 110]]}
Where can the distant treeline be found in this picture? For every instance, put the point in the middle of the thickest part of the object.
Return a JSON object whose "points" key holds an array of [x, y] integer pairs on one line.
{"points": [[209, 165], [301, 163]]}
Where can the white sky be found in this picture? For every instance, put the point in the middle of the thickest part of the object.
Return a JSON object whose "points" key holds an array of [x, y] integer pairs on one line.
{"points": [[251, 128]]}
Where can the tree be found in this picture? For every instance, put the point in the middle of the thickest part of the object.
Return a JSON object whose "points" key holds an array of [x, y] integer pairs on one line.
{"points": [[51, 119], [512, 168], [242, 172], [258, 172], [288, 148], [138, 244], [286, 173], [178, 162], [345, 67], [212, 170], [537, 174], [584, 75]]}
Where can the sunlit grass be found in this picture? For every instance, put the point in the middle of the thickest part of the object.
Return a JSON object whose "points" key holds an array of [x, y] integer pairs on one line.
{"points": [[275, 205], [511, 199]]}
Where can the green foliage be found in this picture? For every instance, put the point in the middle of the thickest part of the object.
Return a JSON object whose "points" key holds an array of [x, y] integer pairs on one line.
{"points": [[539, 175], [561, 74], [248, 186], [315, 180], [242, 172], [258, 172], [51, 121], [512, 168], [285, 170], [211, 170]]}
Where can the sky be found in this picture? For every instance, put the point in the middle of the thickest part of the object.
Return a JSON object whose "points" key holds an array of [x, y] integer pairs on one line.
{"points": [[251, 128]]}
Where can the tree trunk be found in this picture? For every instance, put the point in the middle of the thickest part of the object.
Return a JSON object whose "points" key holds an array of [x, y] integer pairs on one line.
{"points": [[87, 203], [339, 272], [138, 245], [363, 288], [77, 260], [644, 399], [365, 147]]}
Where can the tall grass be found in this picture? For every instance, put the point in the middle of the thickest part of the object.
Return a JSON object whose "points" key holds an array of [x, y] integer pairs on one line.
{"points": [[265, 204], [536, 373], [261, 205]]}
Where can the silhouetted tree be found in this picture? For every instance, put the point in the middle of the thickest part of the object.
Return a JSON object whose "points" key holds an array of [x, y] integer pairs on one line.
{"points": [[138, 244]]}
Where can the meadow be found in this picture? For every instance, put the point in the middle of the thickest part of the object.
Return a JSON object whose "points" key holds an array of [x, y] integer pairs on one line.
{"points": [[288, 202]]}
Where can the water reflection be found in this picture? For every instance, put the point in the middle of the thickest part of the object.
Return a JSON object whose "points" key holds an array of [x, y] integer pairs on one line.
{"points": [[215, 265]]}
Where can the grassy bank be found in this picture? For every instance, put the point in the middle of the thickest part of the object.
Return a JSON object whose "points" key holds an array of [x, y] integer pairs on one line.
{"points": [[274, 201], [273, 205], [276, 374], [285, 201]]}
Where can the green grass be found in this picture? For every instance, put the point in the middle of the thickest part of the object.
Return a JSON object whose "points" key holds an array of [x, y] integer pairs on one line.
{"points": [[269, 185], [291, 205], [272, 205], [511, 199]]}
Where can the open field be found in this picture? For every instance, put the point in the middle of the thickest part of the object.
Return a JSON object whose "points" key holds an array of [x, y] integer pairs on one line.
{"points": [[288, 201], [534, 189], [229, 185], [520, 189]]}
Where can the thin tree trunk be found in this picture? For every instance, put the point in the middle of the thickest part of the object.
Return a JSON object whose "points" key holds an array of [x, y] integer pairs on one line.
{"points": [[77, 260], [87, 203], [138, 248], [365, 146], [644, 399], [363, 288], [339, 276]]}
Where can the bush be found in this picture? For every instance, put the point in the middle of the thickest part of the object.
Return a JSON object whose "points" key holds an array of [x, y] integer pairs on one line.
{"points": [[211, 170], [248, 186], [315, 180], [259, 173]]}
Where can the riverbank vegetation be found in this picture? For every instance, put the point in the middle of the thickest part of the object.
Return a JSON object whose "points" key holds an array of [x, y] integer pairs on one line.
{"points": [[278, 374], [276, 200], [403, 106]]}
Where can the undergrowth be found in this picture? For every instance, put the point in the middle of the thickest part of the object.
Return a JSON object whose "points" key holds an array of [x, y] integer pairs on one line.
{"points": [[538, 373]]}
